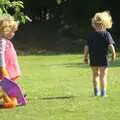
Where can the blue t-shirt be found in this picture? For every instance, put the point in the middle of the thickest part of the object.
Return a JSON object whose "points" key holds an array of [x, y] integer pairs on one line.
{"points": [[98, 43]]}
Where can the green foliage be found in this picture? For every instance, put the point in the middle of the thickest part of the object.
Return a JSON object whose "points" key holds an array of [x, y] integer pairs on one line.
{"points": [[15, 8], [61, 1]]}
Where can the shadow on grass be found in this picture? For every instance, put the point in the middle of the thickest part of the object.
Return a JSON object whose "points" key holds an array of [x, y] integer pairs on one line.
{"points": [[67, 65], [72, 65], [2, 106], [57, 97], [115, 63], [45, 53], [82, 65]]}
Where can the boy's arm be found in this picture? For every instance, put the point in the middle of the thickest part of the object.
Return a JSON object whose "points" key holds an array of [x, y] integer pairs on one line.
{"points": [[112, 48], [86, 54]]}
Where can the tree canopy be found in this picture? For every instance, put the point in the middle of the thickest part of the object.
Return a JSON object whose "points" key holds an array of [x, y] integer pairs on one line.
{"points": [[14, 8], [66, 22]]}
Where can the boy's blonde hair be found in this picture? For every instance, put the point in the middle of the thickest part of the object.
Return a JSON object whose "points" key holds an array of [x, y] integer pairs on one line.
{"points": [[7, 25], [102, 20]]}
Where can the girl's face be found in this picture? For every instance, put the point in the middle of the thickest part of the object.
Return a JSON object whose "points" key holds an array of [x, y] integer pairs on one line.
{"points": [[13, 26], [10, 35]]}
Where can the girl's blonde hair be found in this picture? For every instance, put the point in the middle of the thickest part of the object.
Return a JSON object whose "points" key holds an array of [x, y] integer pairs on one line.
{"points": [[102, 20], [7, 25]]}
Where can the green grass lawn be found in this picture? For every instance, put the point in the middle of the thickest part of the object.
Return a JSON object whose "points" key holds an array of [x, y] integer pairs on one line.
{"points": [[59, 87]]}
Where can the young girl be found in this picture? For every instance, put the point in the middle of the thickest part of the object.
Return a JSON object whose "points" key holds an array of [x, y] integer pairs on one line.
{"points": [[8, 59], [99, 40], [9, 67]]}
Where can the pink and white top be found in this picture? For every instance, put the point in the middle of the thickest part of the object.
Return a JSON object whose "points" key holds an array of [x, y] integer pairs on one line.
{"points": [[8, 58]]}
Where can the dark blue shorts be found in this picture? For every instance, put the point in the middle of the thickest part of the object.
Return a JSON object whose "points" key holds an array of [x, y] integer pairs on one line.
{"points": [[99, 61]]}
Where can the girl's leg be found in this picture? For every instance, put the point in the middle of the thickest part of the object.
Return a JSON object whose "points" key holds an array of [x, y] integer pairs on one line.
{"points": [[103, 80], [1, 92], [95, 71], [9, 102]]}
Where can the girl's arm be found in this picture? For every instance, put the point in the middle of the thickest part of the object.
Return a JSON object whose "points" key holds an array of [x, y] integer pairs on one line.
{"points": [[112, 48], [3, 71], [86, 54], [2, 52]]}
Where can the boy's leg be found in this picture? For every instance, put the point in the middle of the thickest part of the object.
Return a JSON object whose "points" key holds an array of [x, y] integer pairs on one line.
{"points": [[95, 71], [103, 80]]}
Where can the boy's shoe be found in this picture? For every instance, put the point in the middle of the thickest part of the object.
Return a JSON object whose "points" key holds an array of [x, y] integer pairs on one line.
{"points": [[103, 93], [96, 92]]}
